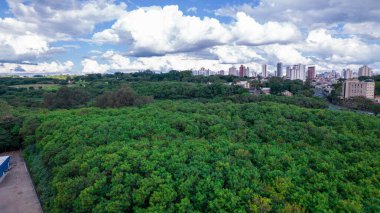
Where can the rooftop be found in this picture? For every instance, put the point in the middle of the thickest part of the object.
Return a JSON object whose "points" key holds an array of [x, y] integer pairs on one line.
{"points": [[3, 158]]}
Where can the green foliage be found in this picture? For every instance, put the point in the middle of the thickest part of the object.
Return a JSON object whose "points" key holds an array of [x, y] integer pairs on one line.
{"points": [[125, 96], [9, 128], [176, 156], [179, 76], [279, 85], [180, 90], [302, 101], [66, 98]]}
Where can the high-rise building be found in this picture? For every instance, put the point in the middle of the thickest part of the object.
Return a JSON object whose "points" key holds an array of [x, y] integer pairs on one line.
{"points": [[279, 70], [347, 74], [203, 71], [296, 72], [242, 71], [264, 71], [311, 74], [355, 88], [288, 72], [233, 71], [365, 71]]}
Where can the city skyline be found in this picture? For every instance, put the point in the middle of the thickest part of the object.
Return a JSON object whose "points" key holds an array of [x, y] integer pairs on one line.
{"points": [[106, 36]]}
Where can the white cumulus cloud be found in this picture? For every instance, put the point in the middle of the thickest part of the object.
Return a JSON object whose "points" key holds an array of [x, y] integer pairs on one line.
{"points": [[321, 43], [236, 54], [157, 31], [45, 67], [160, 31], [92, 66], [248, 31]]}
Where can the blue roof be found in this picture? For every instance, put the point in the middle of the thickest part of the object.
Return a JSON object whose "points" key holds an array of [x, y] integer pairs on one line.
{"points": [[3, 159]]}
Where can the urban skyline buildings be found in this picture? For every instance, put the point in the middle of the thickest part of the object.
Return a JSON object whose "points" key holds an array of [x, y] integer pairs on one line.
{"points": [[264, 71], [279, 69], [365, 71], [311, 73], [293, 72], [296, 72], [347, 74], [242, 71]]}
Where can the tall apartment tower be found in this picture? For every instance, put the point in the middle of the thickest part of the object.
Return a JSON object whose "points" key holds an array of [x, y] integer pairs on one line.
{"points": [[302, 70], [242, 71], [264, 71], [233, 71], [311, 74], [347, 74], [279, 70], [365, 71], [248, 72], [296, 72], [288, 72], [356, 88]]}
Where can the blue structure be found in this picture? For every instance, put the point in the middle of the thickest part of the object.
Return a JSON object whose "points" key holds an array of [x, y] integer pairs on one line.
{"points": [[4, 165]]}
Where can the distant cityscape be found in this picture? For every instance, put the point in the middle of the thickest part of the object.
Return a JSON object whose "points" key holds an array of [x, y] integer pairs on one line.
{"points": [[293, 72], [352, 87]]}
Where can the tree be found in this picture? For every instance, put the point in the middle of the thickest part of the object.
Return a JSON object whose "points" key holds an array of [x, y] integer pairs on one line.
{"points": [[9, 128], [125, 96], [66, 98]]}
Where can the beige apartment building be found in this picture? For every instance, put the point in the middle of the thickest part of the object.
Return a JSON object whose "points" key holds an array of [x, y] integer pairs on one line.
{"points": [[365, 71], [355, 88]]}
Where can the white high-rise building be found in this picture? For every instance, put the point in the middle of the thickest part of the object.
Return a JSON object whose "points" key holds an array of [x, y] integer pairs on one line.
{"points": [[296, 72], [347, 74], [365, 71], [264, 72], [203, 71], [233, 71]]}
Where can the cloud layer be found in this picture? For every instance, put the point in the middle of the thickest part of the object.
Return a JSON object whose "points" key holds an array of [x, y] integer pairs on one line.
{"points": [[330, 34], [165, 30]]}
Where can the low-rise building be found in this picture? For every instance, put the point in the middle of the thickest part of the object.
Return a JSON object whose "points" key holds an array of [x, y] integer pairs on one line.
{"points": [[244, 84], [265, 90], [356, 88], [287, 93]]}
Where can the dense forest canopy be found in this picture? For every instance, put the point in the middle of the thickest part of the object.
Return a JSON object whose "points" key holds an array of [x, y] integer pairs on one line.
{"points": [[183, 143], [186, 156]]}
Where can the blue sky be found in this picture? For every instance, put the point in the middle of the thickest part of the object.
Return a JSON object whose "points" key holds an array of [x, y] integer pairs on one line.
{"points": [[99, 36]]}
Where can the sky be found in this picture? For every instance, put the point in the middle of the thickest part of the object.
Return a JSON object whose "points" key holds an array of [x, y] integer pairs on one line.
{"points": [[106, 36]]}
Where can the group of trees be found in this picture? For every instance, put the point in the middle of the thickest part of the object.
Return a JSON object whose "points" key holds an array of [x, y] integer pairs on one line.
{"points": [[183, 90], [85, 90], [178, 76], [187, 156], [66, 98], [279, 85], [91, 89], [11, 81], [9, 128], [202, 146], [298, 100], [125, 96]]}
